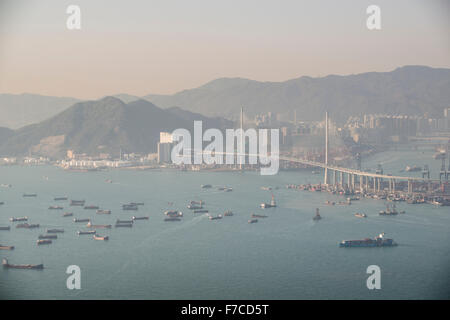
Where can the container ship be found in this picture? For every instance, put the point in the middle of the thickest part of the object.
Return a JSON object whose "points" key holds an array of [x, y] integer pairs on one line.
{"points": [[6, 264], [379, 241]]}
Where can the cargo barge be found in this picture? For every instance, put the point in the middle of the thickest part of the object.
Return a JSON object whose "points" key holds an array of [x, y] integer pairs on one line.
{"points": [[6, 264]]}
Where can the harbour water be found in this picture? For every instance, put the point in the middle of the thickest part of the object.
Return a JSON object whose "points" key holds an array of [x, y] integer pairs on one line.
{"points": [[284, 256]]}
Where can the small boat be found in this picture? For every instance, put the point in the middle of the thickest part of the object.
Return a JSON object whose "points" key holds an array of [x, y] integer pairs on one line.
{"points": [[29, 195], [45, 241], [27, 226], [79, 203], [81, 220], [86, 232], [172, 219], [55, 208], [228, 213], [103, 211], [266, 188], [100, 237], [139, 218], [2, 247], [5, 228], [360, 215], [108, 181], [2, 203], [47, 236], [317, 216], [91, 207], [6, 264], [18, 219], [252, 220], [55, 230], [206, 186], [68, 214], [60, 198]]}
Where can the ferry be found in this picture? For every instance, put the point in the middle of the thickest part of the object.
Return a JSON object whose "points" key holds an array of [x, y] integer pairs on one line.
{"points": [[253, 221], [103, 211], [272, 204], [81, 220], [140, 218], [79, 203], [317, 216], [13, 219], [45, 241], [2, 247], [100, 237], [68, 214], [91, 207], [86, 232], [27, 226], [379, 241], [55, 230], [5, 228], [55, 208], [360, 215], [228, 213], [60, 198], [173, 213], [48, 236], [29, 195], [6, 264]]}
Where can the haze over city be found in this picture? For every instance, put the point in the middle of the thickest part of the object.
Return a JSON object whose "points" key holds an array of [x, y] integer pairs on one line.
{"points": [[161, 47]]}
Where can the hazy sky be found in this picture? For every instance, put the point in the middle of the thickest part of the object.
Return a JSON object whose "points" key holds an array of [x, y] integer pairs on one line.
{"points": [[164, 46]]}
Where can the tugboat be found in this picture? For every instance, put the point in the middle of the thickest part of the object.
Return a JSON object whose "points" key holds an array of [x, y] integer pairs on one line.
{"points": [[272, 204], [360, 215], [317, 217], [6, 264], [379, 241]]}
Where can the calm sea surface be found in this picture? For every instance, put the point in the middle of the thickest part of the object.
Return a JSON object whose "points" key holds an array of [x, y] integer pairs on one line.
{"points": [[284, 256]]}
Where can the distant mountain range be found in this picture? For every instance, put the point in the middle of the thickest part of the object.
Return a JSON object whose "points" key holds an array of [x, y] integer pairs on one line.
{"points": [[18, 110], [410, 90], [103, 126]]}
